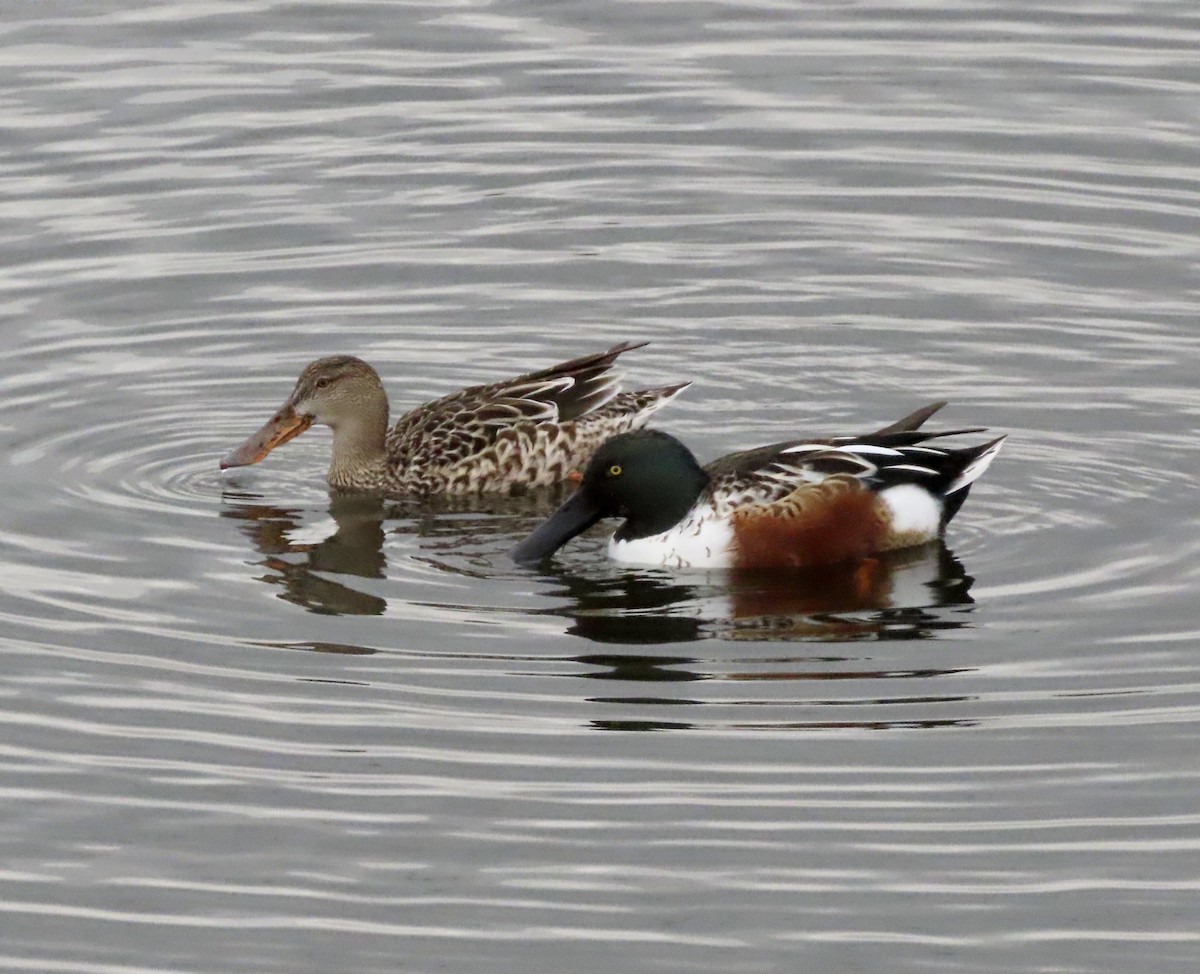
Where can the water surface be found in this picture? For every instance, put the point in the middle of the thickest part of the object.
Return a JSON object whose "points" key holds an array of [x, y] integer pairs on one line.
{"points": [[250, 726]]}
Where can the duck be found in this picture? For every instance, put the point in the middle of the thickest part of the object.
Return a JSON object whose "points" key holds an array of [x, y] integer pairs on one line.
{"points": [[530, 431], [802, 503]]}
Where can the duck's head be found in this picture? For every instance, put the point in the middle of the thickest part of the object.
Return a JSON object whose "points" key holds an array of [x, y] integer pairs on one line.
{"points": [[336, 392], [647, 477]]}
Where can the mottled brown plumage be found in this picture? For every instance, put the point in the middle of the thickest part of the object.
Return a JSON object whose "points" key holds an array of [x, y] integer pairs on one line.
{"points": [[525, 432]]}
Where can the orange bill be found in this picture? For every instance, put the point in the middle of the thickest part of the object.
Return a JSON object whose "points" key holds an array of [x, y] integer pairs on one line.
{"points": [[283, 426]]}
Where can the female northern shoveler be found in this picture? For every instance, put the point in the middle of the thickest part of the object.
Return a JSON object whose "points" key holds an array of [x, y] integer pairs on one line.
{"points": [[529, 431], [795, 504]]}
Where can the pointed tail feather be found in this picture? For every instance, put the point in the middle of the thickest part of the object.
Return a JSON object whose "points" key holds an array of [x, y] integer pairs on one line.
{"points": [[630, 410], [644, 403], [596, 362], [976, 465], [574, 388], [913, 420]]}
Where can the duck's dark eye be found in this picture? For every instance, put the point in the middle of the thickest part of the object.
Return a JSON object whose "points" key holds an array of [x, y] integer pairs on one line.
{"points": [[323, 382], [614, 470]]}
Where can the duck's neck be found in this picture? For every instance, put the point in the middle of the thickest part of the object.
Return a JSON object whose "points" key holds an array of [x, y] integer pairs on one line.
{"points": [[359, 453]]}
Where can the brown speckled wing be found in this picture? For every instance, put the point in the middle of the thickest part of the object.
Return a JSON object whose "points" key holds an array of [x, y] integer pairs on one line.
{"points": [[528, 431], [460, 425]]}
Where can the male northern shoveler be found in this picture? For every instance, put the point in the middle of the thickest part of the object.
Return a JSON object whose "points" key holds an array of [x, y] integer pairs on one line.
{"points": [[529, 431], [796, 504]]}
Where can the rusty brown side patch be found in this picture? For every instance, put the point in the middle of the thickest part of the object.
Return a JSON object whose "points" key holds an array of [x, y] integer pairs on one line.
{"points": [[819, 524]]}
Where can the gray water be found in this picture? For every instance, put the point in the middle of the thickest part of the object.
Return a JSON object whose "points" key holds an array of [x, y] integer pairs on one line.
{"points": [[244, 727]]}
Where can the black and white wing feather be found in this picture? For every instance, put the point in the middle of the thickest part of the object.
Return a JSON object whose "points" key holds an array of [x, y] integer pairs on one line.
{"points": [[771, 473]]}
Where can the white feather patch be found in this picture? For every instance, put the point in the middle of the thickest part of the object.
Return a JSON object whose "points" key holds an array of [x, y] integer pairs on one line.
{"points": [[560, 384], [913, 509], [863, 448], [910, 467]]}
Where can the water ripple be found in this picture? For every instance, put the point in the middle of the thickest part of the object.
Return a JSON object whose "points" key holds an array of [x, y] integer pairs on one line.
{"points": [[243, 719]]}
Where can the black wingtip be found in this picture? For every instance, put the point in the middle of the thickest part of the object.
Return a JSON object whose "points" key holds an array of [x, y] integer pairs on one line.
{"points": [[621, 347]]}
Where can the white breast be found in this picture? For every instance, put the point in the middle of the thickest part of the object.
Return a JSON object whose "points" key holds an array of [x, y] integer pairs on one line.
{"points": [[701, 540]]}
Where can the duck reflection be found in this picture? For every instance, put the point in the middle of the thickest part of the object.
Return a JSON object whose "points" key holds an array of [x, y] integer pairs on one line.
{"points": [[815, 622], [300, 568], [908, 594], [318, 574]]}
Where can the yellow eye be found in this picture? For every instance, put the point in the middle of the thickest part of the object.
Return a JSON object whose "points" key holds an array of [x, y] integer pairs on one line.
{"points": [[614, 470]]}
